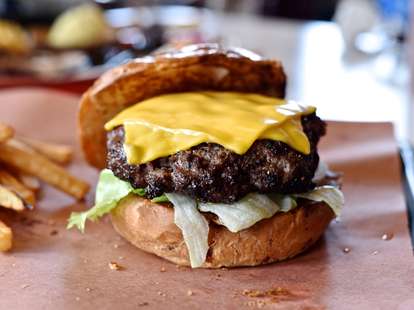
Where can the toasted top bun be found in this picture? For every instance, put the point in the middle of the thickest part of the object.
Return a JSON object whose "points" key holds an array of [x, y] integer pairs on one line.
{"points": [[150, 227], [192, 68]]}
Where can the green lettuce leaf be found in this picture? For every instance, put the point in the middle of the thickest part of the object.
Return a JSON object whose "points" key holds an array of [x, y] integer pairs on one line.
{"points": [[110, 190], [162, 198]]}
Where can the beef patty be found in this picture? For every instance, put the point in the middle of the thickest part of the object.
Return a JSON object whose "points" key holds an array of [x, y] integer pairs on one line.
{"points": [[211, 173]]}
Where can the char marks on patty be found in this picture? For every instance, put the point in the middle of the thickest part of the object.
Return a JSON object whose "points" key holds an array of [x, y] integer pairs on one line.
{"points": [[209, 172]]}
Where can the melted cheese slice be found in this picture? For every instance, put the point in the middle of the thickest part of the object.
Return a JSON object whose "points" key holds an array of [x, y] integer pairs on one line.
{"points": [[167, 124]]}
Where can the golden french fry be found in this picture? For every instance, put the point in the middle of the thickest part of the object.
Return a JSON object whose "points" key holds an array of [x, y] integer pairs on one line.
{"points": [[6, 132], [21, 157], [29, 181], [61, 154], [10, 200], [6, 237], [13, 184]]}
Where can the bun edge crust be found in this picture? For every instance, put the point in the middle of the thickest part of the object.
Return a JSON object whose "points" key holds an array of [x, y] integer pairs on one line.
{"points": [[150, 227]]}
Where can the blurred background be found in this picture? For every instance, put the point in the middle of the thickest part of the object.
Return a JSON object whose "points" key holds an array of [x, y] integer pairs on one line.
{"points": [[347, 57]]}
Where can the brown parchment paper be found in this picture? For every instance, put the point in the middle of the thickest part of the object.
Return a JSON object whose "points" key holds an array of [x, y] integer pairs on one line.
{"points": [[52, 268]]}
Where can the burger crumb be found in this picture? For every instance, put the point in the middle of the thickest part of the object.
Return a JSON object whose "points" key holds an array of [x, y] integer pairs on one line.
{"points": [[375, 252], [25, 286], [346, 250], [121, 257], [114, 266], [77, 298], [116, 245], [387, 237], [143, 304], [190, 293], [88, 289], [273, 295], [277, 291], [250, 304], [161, 294], [163, 269]]}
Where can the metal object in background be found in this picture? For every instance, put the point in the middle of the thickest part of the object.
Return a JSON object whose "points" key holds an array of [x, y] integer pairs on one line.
{"points": [[391, 29], [407, 167]]}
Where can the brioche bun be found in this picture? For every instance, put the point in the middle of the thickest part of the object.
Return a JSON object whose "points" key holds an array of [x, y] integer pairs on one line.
{"points": [[192, 68], [150, 227]]}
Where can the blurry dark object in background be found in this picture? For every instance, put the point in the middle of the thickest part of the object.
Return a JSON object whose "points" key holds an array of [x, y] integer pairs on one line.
{"points": [[300, 9], [35, 50], [131, 43], [112, 4], [77, 45], [195, 3], [84, 41], [45, 11], [36, 11]]}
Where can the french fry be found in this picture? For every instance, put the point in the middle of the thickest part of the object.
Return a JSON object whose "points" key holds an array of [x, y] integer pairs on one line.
{"points": [[6, 132], [61, 154], [29, 181], [13, 184], [10, 200], [21, 157], [6, 237]]}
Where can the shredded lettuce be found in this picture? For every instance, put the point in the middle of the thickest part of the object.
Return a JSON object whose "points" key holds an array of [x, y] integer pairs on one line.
{"points": [[286, 203], [239, 215], [320, 172], [331, 195], [243, 213], [187, 211], [193, 225], [109, 191], [162, 198]]}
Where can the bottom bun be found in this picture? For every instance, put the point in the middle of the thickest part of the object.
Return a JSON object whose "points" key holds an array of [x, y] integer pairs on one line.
{"points": [[150, 227]]}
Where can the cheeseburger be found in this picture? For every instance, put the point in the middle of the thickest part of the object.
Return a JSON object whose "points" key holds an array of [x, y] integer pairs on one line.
{"points": [[204, 163]]}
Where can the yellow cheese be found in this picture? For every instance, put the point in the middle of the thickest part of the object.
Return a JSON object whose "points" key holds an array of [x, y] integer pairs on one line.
{"points": [[166, 124]]}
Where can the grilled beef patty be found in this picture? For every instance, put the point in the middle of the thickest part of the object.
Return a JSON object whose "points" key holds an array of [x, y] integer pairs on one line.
{"points": [[211, 173]]}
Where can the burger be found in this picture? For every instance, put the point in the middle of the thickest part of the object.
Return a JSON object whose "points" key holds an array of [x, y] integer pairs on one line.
{"points": [[204, 163]]}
